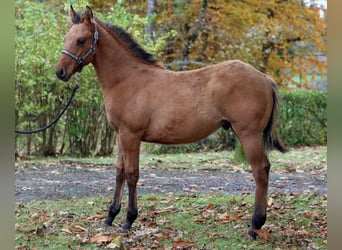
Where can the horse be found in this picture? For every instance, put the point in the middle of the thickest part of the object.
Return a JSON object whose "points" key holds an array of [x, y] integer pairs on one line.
{"points": [[145, 102]]}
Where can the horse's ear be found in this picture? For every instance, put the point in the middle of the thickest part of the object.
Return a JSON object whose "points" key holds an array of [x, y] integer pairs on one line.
{"points": [[72, 12], [88, 15], [75, 18]]}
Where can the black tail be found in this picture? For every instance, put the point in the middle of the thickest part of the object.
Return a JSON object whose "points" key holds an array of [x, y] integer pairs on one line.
{"points": [[271, 140]]}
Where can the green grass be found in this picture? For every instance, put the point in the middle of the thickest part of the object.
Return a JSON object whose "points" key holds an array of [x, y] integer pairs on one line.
{"points": [[296, 160], [164, 222], [181, 221]]}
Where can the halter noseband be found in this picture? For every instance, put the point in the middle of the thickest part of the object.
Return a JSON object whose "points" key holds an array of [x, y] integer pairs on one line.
{"points": [[80, 60]]}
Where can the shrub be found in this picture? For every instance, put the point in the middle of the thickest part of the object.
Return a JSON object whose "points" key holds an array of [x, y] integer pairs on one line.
{"points": [[302, 118], [40, 96]]}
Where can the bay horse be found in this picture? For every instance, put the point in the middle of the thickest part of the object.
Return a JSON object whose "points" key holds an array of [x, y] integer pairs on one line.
{"points": [[146, 102]]}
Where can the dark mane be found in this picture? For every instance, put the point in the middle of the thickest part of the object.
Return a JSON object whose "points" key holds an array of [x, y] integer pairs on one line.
{"points": [[133, 46]]}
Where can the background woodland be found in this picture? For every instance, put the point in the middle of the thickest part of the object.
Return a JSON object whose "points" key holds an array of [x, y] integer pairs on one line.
{"points": [[285, 39]]}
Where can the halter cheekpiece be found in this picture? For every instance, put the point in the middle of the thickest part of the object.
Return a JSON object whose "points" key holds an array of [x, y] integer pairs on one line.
{"points": [[80, 60]]}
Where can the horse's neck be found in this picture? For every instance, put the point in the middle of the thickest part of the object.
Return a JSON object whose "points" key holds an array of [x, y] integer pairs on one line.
{"points": [[110, 66], [113, 63]]}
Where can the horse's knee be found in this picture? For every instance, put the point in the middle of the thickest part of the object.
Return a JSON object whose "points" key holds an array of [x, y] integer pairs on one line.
{"points": [[132, 179]]}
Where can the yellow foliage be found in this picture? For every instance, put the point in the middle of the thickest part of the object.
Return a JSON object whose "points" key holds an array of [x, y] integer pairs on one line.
{"points": [[281, 38]]}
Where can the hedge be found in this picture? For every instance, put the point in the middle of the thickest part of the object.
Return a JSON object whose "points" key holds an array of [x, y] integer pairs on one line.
{"points": [[302, 118]]}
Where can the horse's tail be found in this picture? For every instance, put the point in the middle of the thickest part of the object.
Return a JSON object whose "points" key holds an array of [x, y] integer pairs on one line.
{"points": [[270, 138]]}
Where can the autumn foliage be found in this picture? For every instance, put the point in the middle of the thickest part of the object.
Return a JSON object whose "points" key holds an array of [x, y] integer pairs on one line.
{"points": [[284, 38]]}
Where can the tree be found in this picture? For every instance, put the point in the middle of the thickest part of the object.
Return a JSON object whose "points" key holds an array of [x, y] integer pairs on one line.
{"points": [[280, 37], [40, 96], [151, 10]]}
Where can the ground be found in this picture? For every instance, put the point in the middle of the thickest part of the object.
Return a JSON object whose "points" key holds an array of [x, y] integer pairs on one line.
{"points": [[186, 201], [165, 174]]}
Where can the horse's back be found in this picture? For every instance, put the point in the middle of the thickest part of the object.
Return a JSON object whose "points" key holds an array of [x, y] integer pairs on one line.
{"points": [[195, 103]]}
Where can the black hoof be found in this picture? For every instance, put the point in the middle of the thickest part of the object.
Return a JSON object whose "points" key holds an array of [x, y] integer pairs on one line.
{"points": [[127, 226], [107, 223], [251, 234]]}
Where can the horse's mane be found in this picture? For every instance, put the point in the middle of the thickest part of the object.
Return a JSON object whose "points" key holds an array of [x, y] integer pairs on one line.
{"points": [[125, 37], [133, 46]]}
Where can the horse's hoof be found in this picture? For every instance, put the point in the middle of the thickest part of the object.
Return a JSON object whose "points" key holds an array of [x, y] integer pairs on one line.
{"points": [[107, 224], [127, 226], [251, 235]]}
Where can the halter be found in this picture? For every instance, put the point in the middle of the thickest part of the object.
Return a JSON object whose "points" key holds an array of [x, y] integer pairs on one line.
{"points": [[80, 60]]}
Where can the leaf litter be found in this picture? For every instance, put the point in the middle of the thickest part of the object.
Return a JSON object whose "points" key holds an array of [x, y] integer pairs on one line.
{"points": [[191, 220]]}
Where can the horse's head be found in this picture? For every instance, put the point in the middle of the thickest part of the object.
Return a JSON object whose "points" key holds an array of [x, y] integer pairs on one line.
{"points": [[80, 43]]}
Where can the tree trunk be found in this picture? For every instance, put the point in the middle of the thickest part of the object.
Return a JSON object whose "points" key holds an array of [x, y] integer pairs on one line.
{"points": [[193, 34], [151, 10]]}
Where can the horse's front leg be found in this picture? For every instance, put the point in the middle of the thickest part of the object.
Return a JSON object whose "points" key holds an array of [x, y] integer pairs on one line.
{"points": [[115, 207], [130, 143]]}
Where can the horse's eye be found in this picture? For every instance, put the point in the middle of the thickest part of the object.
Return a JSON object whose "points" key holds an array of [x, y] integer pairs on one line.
{"points": [[80, 41]]}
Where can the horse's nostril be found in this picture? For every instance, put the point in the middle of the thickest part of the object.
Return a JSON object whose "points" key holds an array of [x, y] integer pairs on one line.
{"points": [[60, 73]]}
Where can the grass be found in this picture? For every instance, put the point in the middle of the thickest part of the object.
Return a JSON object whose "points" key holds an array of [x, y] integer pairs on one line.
{"points": [[181, 221], [173, 222], [296, 160]]}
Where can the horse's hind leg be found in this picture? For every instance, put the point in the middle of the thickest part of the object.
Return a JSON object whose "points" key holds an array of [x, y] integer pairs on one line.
{"points": [[252, 145]]}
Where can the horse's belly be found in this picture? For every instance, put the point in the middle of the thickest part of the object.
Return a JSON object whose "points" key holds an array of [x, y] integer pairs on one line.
{"points": [[180, 133]]}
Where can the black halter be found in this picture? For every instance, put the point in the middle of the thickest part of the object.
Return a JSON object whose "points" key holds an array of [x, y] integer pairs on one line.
{"points": [[80, 60]]}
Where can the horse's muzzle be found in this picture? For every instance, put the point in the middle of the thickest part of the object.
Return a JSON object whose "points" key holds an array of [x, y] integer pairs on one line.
{"points": [[61, 74]]}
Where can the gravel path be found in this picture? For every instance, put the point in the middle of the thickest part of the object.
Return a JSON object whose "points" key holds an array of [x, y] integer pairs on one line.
{"points": [[65, 181]]}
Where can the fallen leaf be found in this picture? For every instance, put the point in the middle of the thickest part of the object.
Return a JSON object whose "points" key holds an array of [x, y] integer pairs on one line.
{"points": [[39, 231], [101, 239], [159, 235], [206, 214], [222, 216], [210, 206], [79, 229], [183, 244], [163, 222], [262, 234], [96, 217], [112, 245], [65, 230]]}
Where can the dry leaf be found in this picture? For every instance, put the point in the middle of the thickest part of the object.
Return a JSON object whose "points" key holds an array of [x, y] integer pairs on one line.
{"points": [[39, 231], [79, 229], [206, 214], [101, 239], [222, 216], [262, 234], [65, 230], [96, 217], [210, 206], [112, 245], [183, 244]]}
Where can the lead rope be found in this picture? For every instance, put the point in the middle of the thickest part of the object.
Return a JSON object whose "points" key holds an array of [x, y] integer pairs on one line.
{"points": [[59, 115]]}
